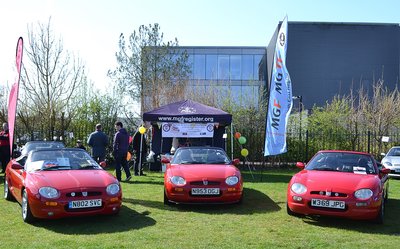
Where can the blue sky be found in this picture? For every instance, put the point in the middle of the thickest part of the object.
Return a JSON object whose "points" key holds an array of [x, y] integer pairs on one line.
{"points": [[90, 28]]}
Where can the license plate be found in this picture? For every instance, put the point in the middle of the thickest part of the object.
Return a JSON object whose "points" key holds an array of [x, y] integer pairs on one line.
{"points": [[85, 203], [328, 203], [205, 191]]}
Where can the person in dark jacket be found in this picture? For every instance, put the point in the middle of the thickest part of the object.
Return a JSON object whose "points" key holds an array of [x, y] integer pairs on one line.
{"points": [[120, 150], [98, 141], [5, 153], [139, 140]]}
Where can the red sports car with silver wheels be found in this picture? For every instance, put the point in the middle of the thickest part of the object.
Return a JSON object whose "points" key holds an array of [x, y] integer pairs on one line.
{"points": [[339, 183], [202, 175], [56, 183]]}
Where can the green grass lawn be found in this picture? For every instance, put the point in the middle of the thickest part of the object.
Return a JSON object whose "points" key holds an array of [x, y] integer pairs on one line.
{"points": [[259, 222]]}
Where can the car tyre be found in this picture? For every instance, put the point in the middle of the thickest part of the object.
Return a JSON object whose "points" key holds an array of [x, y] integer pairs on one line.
{"points": [[380, 217], [387, 193], [7, 194], [166, 201], [26, 210], [290, 212]]}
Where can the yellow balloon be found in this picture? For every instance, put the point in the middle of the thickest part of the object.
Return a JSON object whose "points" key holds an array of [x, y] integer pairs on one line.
{"points": [[142, 130], [244, 152]]}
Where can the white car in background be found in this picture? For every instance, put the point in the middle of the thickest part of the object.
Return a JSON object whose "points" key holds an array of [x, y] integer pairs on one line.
{"points": [[392, 161]]}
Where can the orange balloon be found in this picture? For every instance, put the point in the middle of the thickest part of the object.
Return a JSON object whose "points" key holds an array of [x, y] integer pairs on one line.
{"points": [[237, 135], [128, 156]]}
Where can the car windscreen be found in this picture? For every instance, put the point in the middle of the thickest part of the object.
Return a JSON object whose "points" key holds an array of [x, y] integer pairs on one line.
{"points": [[60, 160], [41, 145], [200, 156], [394, 152], [342, 162]]}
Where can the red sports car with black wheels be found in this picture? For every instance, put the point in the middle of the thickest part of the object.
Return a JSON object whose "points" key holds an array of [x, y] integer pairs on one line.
{"points": [[56, 183], [202, 175], [339, 183]]}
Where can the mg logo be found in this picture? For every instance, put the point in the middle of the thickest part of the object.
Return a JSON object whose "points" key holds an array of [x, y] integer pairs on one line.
{"points": [[205, 182], [84, 194]]}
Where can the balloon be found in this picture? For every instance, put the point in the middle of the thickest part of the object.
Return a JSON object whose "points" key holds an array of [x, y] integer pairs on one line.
{"points": [[142, 130], [244, 152], [128, 156], [237, 135], [242, 140]]}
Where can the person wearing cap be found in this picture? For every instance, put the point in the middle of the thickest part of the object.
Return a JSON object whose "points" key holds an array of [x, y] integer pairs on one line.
{"points": [[98, 141], [80, 145]]}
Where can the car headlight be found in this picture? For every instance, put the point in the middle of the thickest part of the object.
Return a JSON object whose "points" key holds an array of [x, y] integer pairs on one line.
{"points": [[178, 180], [112, 189], [232, 180], [49, 192], [363, 193], [387, 164], [298, 188]]}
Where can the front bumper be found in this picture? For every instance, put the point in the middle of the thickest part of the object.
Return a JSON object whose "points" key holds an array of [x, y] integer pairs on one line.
{"points": [[354, 209], [54, 209]]}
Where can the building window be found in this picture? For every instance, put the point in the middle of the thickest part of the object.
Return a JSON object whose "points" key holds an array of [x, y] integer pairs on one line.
{"points": [[211, 67], [257, 60], [247, 67], [223, 67], [199, 72], [235, 67], [190, 63]]}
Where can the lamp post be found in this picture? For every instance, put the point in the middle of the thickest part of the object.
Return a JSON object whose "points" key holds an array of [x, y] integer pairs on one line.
{"points": [[300, 98]]}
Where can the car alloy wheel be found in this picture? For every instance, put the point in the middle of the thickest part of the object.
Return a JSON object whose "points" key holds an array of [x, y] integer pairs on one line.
{"points": [[7, 194], [26, 211]]}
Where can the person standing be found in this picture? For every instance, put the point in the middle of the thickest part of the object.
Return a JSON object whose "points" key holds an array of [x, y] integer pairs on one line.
{"points": [[120, 150], [140, 148], [98, 140], [4, 147]]}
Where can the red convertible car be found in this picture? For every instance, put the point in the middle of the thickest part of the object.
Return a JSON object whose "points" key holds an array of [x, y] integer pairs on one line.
{"points": [[202, 175], [56, 183], [339, 183]]}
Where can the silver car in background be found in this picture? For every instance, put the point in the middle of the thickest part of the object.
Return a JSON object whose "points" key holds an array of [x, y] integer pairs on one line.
{"points": [[392, 161]]}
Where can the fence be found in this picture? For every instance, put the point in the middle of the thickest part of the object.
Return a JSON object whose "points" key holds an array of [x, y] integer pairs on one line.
{"points": [[301, 147]]}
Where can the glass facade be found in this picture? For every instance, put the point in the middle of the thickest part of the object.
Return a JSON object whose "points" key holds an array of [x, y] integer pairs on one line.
{"points": [[233, 70]]}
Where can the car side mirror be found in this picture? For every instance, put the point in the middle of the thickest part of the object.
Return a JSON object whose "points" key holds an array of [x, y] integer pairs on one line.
{"points": [[236, 161], [165, 160], [385, 171], [17, 166], [300, 165]]}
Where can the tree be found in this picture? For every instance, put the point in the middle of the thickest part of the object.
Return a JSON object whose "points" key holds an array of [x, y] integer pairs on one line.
{"points": [[3, 104], [49, 83], [151, 71]]}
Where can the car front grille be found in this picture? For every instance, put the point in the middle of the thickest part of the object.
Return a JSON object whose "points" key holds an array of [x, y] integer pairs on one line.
{"points": [[208, 183], [79, 194], [332, 194]]}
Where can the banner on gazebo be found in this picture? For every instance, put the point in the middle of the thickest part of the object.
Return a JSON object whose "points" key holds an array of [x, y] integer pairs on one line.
{"points": [[187, 129]]}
